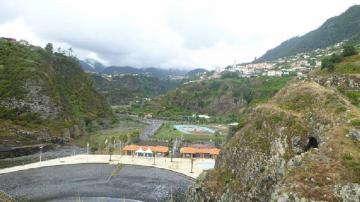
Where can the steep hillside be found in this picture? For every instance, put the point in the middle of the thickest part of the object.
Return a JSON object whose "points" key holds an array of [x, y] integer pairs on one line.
{"points": [[304, 144], [44, 96], [222, 96], [120, 90], [196, 72], [334, 30]]}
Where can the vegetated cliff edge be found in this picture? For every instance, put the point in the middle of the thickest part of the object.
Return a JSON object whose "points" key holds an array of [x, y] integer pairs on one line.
{"points": [[304, 144], [44, 96]]}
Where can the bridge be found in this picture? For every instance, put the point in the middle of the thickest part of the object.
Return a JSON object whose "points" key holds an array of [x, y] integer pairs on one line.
{"points": [[179, 165]]}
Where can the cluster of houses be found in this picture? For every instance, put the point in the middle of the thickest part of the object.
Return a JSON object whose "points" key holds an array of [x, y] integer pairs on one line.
{"points": [[296, 65], [284, 68], [191, 151]]}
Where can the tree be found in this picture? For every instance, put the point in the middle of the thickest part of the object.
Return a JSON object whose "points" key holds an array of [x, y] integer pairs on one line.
{"points": [[349, 50], [49, 48], [329, 62], [326, 63]]}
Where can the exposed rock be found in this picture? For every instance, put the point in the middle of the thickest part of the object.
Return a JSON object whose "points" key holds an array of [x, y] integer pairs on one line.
{"points": [[349, 192], [285, 151], [355, 134]]}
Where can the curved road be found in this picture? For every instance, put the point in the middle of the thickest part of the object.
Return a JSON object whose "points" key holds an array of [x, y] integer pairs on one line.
{"points": [[95, 182]]}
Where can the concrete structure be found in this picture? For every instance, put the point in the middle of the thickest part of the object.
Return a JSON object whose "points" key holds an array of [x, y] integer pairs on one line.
{"points": [[197, 152], [146, 151], [179, 165]]}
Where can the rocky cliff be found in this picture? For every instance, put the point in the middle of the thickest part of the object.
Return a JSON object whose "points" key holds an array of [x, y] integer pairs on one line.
{"points": [[302, 145], [44, 96]]}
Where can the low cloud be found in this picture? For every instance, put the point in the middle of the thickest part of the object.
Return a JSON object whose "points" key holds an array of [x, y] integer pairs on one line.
{"points": [[167, 34]]}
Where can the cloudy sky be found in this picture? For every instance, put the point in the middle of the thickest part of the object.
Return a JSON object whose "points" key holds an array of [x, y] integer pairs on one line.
{"points": [[168, 33]]}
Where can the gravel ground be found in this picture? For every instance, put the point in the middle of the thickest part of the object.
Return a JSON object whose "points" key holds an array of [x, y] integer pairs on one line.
{"points": [[95, 182]]}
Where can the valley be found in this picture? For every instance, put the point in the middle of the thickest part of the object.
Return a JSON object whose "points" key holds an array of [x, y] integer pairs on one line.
{"points": [[105, 126]]}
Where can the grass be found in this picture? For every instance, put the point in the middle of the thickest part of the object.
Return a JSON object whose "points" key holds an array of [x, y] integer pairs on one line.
{"points": [[349, 65], [126, 131], [167, 132]]}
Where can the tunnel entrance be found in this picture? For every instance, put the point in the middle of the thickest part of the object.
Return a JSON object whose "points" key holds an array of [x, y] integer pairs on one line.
{"points": [[312, 143]]}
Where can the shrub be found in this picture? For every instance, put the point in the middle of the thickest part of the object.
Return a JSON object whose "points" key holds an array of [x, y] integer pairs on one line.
{"points": [[330, 61], [349, 50]]}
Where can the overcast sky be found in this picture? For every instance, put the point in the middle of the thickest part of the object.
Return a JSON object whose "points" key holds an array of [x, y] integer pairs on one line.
{"points": [[167, 34]]}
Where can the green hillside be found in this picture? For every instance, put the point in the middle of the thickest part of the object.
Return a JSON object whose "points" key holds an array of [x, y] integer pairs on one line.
{"points": [[44, 96], [125, 89], [301, 145], [220, 97], [334, 30]]}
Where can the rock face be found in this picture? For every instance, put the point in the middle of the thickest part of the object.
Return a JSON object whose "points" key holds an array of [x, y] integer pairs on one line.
{"points": [[45, 97], [34, 101], [289, 149]]}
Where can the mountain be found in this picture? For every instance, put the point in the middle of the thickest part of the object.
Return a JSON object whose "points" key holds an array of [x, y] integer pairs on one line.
{"points": [[45, 97], [225, 98], [301, 145], [222, 96], [121, 70], [334, 30], [151, 71], [91, 65], [196, 72], [125, 89]]}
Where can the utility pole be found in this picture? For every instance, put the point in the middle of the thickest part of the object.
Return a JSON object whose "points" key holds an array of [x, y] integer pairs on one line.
{"points": [[154, 154], [41, 148], [192, 163], [171, 149]]}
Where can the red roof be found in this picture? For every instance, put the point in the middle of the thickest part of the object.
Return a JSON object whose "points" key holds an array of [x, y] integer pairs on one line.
{"points": [[134, 147], [193, 150]]}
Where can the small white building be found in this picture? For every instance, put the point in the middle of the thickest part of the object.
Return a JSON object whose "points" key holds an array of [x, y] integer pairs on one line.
{"points": [[141, 153], [274, 73]]}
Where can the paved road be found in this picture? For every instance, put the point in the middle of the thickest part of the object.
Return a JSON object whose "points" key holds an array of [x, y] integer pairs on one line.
{"points": [[152, 127], [92, 182]]}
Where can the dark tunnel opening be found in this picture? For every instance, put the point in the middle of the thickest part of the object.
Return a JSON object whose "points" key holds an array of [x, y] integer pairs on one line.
{"points": [[312, 143]]}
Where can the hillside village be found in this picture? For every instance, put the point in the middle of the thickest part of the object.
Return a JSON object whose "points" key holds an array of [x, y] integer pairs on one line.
{"points": [[296, 65]]}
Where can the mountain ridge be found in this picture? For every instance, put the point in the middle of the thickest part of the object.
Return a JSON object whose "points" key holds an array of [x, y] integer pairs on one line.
{"points": [[345, 26]]}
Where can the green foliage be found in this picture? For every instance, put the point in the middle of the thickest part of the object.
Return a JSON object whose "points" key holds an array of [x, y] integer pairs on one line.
{"points": [[58, 76], [126, 89], [349, 50], [49, 48], [356, 123], [353, 165], [199, 97], [229, 75], [330, 61], [354, 97]]}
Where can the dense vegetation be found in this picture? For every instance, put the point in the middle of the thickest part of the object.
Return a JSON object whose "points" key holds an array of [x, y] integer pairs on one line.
{"points": [[334, 30], [125, 89], [225, 98], [330, 61], [43, 90]]}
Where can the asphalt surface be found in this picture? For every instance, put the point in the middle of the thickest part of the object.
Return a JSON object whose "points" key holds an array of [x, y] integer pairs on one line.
{"points": [[95, 182], [152, 127]]}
